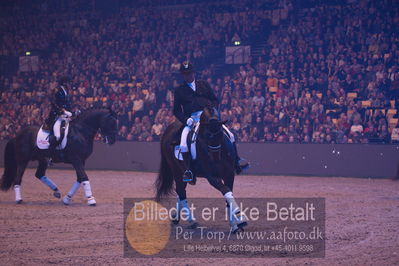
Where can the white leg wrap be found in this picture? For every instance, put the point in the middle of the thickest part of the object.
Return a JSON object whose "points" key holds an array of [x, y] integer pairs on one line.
{"points": [[182, 206], [235, 217], [88, 193], [183, 139], [74, 188], [231, 202], [87, 189], [48, 182], [68, 197], [18, 195], [229, 216]]}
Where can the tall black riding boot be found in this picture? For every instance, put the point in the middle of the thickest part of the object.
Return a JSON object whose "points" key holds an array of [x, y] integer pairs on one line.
{"points": [[52, 148], [188, 175], [238, 166]]}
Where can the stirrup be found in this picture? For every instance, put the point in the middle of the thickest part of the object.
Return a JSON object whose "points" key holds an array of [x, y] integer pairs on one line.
{"points": [[188, 176]]}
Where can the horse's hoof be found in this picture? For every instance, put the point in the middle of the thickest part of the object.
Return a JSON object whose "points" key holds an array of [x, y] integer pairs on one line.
{"points": [[18, 201], [175, 221], [57, 194], [66, 200], [238, 230], [91, 201], [242, 225], [193, 226]]}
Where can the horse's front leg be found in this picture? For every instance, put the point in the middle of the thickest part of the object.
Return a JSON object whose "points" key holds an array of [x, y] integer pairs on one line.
{"points": [[236, 220], [83, 179]]}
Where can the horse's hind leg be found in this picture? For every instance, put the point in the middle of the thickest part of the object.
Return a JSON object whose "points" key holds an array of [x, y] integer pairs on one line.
{"points": [[181, 198], [21, 166], [182, 204], [181, 189], [41, 175]]}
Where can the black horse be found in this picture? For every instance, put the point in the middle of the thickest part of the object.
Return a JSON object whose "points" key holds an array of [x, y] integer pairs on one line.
{"points": [[215, 161], [82, 130]]}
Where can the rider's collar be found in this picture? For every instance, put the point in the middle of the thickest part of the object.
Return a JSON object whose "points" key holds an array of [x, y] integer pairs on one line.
{"points": [[62, 87], [192, 85]]}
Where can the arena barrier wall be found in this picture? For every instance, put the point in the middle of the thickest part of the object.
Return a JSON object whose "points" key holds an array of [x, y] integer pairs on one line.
{"points": [[352, 160]]}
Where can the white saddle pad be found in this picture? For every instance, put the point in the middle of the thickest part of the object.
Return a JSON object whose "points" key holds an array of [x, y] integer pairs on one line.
{"points": [[42, 139]]}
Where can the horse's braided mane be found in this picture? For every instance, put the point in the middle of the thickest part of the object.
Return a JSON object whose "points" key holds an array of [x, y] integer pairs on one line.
{"points": [[93, 108]]}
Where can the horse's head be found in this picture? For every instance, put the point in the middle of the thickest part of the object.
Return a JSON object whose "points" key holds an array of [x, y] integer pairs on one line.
{"points": [[92, 120], [109, 126], [211, 132]]}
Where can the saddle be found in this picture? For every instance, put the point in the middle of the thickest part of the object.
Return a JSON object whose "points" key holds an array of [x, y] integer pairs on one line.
{"points": [[43, 135]]}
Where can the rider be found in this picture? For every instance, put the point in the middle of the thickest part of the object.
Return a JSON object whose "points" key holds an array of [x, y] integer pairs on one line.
{"points": [[190, 98], [60, 110]]}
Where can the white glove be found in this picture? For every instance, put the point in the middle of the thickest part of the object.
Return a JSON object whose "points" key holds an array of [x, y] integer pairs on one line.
{"points": [[67, 114], [190, 122]]}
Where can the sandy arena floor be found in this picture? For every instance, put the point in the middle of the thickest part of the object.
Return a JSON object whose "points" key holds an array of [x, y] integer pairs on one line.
{"points": [[362, 219]]}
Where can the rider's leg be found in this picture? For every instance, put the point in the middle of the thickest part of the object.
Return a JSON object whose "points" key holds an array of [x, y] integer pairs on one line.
{"points": [[188, 175], [57, 129], [55, 138], [239, 167]]}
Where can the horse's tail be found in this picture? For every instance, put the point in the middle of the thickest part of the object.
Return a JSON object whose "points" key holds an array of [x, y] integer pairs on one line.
{"points": [[164, 183], [10, 166]]}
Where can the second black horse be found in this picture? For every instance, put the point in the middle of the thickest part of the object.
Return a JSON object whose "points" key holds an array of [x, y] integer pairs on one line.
{"points": [[82, 130], [215, 161]]}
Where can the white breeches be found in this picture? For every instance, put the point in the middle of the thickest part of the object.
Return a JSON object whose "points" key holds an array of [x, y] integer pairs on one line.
{"points": [[57, 128], [183, 140], [57, 125]]}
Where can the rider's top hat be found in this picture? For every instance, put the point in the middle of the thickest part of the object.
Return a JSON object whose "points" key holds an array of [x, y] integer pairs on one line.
{"points": [[186, 67]]}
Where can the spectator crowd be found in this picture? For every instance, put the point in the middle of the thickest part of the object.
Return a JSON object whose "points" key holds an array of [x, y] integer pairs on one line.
{"points": [[328, 73]]}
